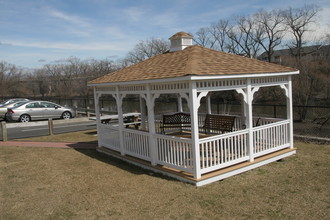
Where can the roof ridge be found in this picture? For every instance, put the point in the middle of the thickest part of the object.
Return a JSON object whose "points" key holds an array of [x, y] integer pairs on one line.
{"points": [[189, 64], [128, 67]]}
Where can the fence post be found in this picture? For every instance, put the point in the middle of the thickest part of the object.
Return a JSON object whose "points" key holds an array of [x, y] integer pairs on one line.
{"points": [[76, 111], [88, 112], [275, 111], [4, 131], [50, 127]]}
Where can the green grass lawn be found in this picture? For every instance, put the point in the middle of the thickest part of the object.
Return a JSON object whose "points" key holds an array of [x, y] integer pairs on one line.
{"points": [[47, 183]]}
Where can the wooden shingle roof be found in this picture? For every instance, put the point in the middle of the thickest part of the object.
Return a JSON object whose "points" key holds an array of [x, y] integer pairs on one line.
{"points": [[193, 60], [180, 34]]}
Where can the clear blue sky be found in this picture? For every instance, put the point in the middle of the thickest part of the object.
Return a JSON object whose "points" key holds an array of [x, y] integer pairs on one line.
{"points": [[38, 32]]}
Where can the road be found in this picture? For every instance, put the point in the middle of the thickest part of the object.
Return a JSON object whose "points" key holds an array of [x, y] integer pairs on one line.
{"points": [[42, 130]]}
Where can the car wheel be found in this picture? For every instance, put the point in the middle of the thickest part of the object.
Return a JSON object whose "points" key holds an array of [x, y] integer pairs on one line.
{"points": [[24, 118], [66, 115]]}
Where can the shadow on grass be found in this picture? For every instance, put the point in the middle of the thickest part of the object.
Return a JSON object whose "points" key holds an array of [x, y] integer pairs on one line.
{"points": [[91, 133], [84, 145], [89, 149]]}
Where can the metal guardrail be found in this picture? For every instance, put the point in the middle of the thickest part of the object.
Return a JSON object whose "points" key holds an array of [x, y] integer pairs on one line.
{"points": [[90, 112], [4, 133]]}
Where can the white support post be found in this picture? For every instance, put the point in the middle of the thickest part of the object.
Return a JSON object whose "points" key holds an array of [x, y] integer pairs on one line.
{"points": [[194, 104], [119, 101], [250, 119], [143, 113], [289, 107], [152, 130], [180, 109], [208, 107], [245, 112], [244, 106], [97, 115], [289, 111], [246, 109]]}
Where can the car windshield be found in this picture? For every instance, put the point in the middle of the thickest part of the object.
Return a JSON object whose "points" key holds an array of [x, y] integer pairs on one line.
{"points": [[10, 101], [5, 102], [5, 105]]}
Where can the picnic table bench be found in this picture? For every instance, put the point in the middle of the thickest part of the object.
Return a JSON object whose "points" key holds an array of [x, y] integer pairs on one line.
{"points": [[129, 119]]}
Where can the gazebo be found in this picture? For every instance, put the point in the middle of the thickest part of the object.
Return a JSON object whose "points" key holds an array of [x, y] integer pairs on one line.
{"points": [[192, 146]]}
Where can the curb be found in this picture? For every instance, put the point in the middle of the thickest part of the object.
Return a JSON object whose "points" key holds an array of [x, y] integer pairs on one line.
{"points": [[74, 145], [320, 140], [38, 123]]}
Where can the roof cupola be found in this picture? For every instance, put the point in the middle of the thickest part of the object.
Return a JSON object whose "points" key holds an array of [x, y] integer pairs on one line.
{"points": [[179, 41]]}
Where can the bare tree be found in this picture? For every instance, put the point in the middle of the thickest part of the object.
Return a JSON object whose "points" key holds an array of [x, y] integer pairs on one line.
{"points": [[243, 37], [54, 73], [219, 32], [204, 38], [68, 78], [10, 80], [298, 21], [3, 77], [38, 82], [271, 25], [146, 49], [91, 70]]}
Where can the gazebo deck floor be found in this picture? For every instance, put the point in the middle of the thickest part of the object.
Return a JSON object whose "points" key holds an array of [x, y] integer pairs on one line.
{"points": [[188, 176]]}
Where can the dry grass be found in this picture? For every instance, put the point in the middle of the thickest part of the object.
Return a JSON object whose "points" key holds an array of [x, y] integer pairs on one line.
{"points": [[44, 183], [82, 136]]}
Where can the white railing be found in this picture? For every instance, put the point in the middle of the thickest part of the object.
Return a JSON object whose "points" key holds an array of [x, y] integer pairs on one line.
{"points": [[271, 137], [216, 152], [136, 143], [238, 123], [223, 150], [109, 136], [258, 121], [175, 152]]}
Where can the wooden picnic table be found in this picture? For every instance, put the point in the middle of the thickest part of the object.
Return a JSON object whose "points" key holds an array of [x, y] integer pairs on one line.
{"points": [[129, 119]]}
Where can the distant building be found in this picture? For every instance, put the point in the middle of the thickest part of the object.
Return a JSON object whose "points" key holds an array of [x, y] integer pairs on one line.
{"points": [[313, 52]]}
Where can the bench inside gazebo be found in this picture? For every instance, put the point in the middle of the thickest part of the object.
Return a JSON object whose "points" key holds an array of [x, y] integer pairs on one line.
{"points": [[196, 147]]}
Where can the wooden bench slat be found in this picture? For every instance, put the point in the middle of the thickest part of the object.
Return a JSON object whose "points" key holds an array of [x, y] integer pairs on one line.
{"points": [[177, 120], [222, 123]]}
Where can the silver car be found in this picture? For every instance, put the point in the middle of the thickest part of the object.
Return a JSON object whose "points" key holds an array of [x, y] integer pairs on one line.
{"points": [[3, 108], [37, 110], [13, 100]]}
